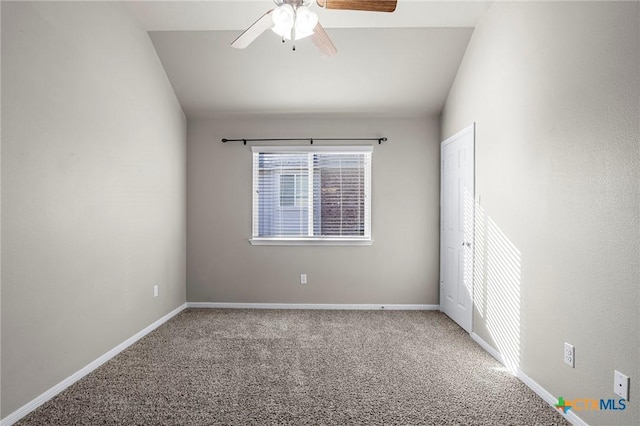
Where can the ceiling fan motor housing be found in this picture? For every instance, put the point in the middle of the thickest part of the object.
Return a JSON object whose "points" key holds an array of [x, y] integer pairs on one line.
{"points": [[293, 21]]}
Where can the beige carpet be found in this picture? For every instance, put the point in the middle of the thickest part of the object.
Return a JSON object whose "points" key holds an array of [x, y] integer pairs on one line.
{"points": [[265, 367]]}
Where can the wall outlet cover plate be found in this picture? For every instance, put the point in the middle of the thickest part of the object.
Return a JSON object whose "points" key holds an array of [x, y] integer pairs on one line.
{"points": [[570, 355], [621, 385]]}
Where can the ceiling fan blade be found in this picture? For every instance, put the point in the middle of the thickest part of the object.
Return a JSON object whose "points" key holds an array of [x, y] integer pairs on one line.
{"points": [[322, 41], [366, 5], [253, 32]]}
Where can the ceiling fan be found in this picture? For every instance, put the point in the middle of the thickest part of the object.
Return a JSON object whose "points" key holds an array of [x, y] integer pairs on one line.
{"points": [[294, 20]]}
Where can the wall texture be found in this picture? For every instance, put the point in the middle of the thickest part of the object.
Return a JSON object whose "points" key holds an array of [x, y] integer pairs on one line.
{"points": [[93, 190], [400, 267], [554, 90]]}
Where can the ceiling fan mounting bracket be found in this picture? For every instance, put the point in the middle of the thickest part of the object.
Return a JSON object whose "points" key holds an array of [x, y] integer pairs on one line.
{"points": [[293, 3]]}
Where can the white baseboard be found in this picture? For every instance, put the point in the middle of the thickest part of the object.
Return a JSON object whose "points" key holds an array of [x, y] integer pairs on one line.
{"points": [[550, 399], [334, 306], [533, 385], [32, 405], [487, 347]]}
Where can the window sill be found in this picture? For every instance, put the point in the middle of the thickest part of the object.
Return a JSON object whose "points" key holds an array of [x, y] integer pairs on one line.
{"points": [[310, 242]]}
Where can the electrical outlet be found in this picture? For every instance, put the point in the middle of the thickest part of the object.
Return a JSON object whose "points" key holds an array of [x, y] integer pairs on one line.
{"points": [[303, 278], [621, 385], [155, 291], [569, 355]]}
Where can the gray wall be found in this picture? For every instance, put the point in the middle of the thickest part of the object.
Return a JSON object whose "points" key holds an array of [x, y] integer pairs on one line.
{"points": [[93, 190], [554, 90], [400, 267]]}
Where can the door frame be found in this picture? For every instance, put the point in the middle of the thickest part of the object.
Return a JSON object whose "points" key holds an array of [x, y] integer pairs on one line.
{"points": [[471, 128]]}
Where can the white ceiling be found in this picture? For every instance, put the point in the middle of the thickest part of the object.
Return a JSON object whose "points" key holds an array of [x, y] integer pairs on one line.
{"points": [[398, 64]]}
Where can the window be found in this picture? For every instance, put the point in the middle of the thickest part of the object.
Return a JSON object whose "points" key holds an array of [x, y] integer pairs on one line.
{"points": [[294, 190], [311, 195]]}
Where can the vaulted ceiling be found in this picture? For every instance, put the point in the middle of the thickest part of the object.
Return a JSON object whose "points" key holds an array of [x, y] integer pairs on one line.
{"points": [[398, 64]]}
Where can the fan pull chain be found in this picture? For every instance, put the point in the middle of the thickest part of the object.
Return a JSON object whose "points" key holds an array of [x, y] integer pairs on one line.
{"points": [[293, 29]]}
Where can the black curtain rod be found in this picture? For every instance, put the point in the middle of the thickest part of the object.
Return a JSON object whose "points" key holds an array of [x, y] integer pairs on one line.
{"points": [[311, 140]]}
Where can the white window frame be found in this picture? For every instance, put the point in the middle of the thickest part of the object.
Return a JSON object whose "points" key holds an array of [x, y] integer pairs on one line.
{"points": [[312, 240]]}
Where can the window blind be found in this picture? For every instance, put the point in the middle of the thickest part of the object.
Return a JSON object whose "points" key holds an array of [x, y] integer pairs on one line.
{"points": [[312, 193]]}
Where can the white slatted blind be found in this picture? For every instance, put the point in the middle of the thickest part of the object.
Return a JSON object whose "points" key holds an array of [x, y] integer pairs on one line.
{"points": [[312, 193]]}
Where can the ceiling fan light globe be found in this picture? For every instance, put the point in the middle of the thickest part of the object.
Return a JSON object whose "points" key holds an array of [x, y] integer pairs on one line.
{"points": [[283, 17], [305, 21], [283, 33], [300, 34]]}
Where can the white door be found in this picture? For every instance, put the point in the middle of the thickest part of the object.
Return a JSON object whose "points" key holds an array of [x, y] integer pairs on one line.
{"points": [[457, 178]]}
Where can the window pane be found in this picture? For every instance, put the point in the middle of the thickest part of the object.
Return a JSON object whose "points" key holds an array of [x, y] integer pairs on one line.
{"points": [[342, 192], [282, 196]]}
